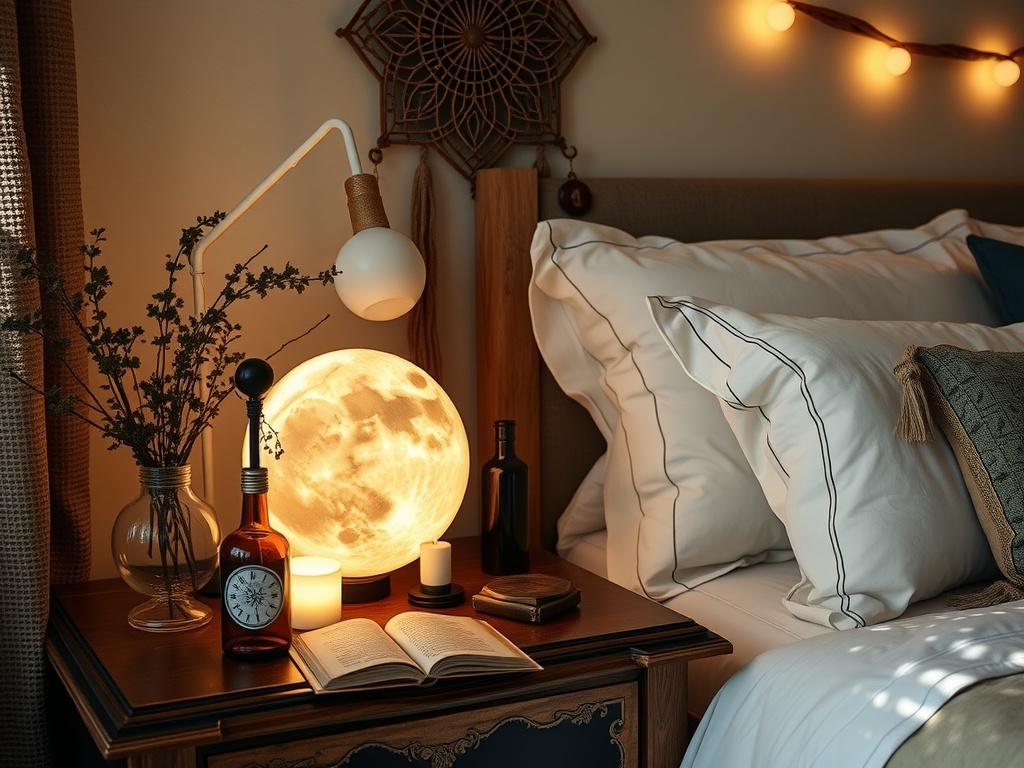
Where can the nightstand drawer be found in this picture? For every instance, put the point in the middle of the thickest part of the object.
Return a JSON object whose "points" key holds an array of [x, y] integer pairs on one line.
{"points": [[597, 728]]}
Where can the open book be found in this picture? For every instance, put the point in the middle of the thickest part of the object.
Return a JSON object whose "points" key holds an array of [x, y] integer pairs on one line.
{"points": [[413, 648]]}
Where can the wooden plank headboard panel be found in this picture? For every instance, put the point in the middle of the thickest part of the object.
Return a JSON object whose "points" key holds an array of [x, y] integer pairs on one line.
{"points": [[511, 380], [507, 359]]}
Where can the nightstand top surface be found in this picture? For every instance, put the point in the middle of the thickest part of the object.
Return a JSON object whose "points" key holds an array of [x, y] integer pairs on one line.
{"points": [[135, 681]]}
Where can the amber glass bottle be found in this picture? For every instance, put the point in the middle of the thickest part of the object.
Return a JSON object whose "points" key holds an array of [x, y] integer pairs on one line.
{"points": [[255, 589], [256, 616], [504, 530]]}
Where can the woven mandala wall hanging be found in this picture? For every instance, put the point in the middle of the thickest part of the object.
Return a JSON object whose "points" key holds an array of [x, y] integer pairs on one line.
{"points": [[469, 78]]}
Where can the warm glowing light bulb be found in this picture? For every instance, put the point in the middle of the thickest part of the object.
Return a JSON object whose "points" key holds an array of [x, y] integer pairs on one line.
{"points": [[1006, 72], [897, 61], [781, 16]]}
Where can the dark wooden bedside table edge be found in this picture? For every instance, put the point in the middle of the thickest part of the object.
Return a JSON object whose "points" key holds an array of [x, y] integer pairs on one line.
{"points": [[683, 634], [94, 695], [649, 655], [117, 729]]}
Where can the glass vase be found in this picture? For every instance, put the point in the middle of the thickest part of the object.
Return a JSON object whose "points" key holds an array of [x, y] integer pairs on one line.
{"points": [[165, 544]]}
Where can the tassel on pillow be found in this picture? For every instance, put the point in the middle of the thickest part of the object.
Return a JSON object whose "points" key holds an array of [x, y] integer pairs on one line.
{"points": [[915, 422]]}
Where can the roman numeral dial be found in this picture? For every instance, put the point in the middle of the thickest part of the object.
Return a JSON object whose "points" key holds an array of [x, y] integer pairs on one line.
{"points": [[253, 596]]}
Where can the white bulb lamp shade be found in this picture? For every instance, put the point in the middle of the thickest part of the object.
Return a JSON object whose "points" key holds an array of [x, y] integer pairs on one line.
{"points": [[781, 16], [1006, 72], [382, 274], [375, 462], [897, 61]]}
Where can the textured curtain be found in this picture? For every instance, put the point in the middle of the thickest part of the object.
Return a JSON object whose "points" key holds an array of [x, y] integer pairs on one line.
{"points": [[44, 496]]}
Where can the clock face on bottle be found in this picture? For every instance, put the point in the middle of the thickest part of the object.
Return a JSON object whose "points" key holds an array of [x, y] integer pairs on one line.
{"points": [[253, 596]]}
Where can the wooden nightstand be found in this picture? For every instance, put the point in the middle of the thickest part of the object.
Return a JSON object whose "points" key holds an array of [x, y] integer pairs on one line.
{"points": [[613, 689]]}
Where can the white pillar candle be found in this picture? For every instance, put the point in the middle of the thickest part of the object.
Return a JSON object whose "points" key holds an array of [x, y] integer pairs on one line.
{"points": [[316, 592], [435, 563]]}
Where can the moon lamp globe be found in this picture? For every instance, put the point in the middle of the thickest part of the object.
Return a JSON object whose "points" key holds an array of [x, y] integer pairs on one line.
{"points": [[375, 462]]}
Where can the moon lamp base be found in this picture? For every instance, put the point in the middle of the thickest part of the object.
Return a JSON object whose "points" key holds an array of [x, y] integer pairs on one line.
{"points": [[365, 589]]}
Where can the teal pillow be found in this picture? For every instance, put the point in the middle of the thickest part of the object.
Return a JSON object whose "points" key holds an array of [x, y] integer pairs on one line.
{"points": [[1002, 267], [977, 400]]}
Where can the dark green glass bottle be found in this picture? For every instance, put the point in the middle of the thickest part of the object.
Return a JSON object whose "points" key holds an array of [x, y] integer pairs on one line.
{"points": [[505, 530]]}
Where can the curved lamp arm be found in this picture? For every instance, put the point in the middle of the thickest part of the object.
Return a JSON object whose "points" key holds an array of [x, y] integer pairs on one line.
{"points": [[197, 259], [383, 271]]}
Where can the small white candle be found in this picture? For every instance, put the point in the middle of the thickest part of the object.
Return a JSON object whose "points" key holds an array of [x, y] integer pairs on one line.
{"points": [[316, 592], [435, 563]]}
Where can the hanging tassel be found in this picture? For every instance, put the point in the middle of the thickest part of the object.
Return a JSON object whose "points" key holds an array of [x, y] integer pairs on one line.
{"points": [[915, 423], [541, 163], [424, 347]]}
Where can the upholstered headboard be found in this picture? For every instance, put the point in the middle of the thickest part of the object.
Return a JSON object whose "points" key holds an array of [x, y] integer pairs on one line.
{"points": [[556, 436]]}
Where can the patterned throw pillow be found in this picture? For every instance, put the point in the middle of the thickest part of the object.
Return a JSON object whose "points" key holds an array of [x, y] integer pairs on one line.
{"points": [[977, 399]]}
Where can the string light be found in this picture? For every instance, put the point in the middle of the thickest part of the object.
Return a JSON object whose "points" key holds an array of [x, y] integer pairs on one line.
{"points": [[897, 61], [1005, 71], [781, 16]]}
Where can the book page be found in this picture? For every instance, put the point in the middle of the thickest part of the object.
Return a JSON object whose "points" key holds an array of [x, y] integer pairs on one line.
{"points": [[348, 646], [430, 639]]}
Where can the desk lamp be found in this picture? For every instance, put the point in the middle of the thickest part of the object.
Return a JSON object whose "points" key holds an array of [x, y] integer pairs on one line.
{"points": [[382, 272]]}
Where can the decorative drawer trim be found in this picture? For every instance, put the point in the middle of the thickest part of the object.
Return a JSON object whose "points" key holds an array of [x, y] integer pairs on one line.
{"points": [[446, 755], [599, 726]]}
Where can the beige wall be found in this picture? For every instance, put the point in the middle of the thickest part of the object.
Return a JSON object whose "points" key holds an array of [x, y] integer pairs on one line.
{"points": [[185, 105]]}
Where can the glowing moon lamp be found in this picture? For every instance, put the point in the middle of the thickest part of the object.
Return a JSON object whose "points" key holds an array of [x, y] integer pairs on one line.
{"points": [[897, 61], [781, 16], [375, 462]]}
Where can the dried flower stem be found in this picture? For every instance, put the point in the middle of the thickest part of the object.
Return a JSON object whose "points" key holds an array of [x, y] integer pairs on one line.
{"points": [[158, 416]]}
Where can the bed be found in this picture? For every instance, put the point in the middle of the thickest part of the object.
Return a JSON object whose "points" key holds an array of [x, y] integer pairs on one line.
{"points": [[720, 546]]}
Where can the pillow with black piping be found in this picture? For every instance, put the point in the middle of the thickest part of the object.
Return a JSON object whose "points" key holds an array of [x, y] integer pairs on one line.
{"points": [[875, 523], [680, 503]]}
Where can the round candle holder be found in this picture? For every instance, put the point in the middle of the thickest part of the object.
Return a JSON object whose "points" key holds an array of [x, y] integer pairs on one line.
{"points": [[437, 597]]}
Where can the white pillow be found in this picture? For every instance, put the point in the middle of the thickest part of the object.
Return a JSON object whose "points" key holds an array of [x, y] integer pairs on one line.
{"points": [[875, 523], [681, 505], [586, 508]]}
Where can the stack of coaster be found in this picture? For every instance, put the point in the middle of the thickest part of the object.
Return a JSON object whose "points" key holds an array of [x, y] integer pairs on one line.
{"points": [[530, 597]]}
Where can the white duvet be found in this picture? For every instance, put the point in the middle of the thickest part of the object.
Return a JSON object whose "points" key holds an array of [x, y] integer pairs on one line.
{"points": [[849, 699]]}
